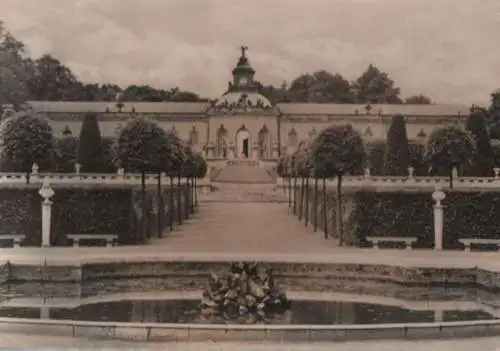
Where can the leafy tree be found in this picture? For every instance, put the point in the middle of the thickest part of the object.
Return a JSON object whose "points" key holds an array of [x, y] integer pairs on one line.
{"points": [[53, 81], [142, 146], [449, 147], [418, 100], [321, 86], [90, 151], [337, 151], [301, 88], [397, 156], [375, 87], [25, 139], [483, 163], [13, 70]]}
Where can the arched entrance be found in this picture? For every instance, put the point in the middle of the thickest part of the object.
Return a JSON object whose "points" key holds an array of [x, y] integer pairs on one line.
{"points": [[242, 143]]}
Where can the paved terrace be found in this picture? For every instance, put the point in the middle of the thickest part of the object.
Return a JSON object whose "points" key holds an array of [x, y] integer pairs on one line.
{"points": [[250, 231]]}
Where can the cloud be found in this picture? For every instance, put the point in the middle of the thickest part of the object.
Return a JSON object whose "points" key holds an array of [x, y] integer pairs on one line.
{"points": [[443, 48]]}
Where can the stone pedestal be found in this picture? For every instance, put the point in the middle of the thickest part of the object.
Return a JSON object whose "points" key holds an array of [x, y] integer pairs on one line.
{"points": [[411, 173], [46, 193], [367, 172], [496, 171], [231, 151], [438, 196], [210, 150], [78, 167]]}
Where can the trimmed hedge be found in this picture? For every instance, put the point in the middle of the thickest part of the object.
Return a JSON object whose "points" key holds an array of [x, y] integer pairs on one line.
{"points": [[96, 211], [466, 214]]}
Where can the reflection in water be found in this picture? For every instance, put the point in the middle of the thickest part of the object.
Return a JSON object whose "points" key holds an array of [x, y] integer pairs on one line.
{"points": [[186, 311]]}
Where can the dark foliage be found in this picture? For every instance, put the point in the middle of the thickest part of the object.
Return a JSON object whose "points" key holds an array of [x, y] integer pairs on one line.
{"points": [[26, 139], [90, 150], [397, 156], [483, 163]]}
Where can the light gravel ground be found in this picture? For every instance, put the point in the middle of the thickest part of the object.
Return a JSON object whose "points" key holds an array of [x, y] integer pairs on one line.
{"points": [[476, 344]]}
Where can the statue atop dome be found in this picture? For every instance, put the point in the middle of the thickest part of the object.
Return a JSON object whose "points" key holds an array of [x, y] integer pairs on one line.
{"points": [[244, 49]]}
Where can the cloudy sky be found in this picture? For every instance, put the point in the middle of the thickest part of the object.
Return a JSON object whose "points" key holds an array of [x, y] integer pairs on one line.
{"points": [[447, 49]]}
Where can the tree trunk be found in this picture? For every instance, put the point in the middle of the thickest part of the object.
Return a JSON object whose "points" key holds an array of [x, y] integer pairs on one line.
{"points": [[193, 189], [179, 201], [451, 177], [301, 209], [295, 195], [315, 205], [338, 204], [187, 198], [196, 191], [143, 205], [289, 191], [307, 201], [325, 216], [171, 209], [160, 211]]}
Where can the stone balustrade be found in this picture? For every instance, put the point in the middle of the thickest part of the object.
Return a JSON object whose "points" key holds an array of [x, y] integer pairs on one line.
{"points": [[86, 178], [389, 183]]}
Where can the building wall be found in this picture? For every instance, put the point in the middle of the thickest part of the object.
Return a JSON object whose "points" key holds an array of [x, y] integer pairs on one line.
{"points": [[297, 129], [253, 123]]}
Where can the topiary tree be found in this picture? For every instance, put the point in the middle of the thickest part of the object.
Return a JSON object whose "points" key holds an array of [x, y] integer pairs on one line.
{"points": [[142, 146], [174, 168], [417, 157], [90, 151], [397, 155], [375, 151], [447, 148], [66, 153], [337, 151], [484, 160], [25, 139]]}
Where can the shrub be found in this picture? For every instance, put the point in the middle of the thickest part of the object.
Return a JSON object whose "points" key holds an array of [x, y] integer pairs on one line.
{"points": [[80, 210], [465, 215], [66, 153], [25, 139], [397, 156], [90, 151], [21, 214], [376, 152], [484, 159]]}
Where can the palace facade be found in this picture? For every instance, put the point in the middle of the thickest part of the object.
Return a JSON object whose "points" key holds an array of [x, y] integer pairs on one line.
{"points": [[243, 123]]}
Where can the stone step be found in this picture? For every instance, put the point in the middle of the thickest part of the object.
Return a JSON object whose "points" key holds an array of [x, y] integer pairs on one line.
{"points": [[245, 174]]}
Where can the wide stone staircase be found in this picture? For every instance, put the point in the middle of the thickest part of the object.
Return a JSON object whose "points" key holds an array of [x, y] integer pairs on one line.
{"points": [[234, 192], [245, 172]]}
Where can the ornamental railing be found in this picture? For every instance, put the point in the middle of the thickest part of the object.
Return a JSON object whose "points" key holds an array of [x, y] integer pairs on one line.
{"points": [[409, 182]]}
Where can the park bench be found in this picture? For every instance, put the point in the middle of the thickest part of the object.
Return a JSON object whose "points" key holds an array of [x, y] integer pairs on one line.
{"points": [[110, 238], [375, 240], [16, 238], [478, 241]]}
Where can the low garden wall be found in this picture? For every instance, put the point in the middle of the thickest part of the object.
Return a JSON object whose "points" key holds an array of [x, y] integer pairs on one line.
{"points": [[96, 210]]}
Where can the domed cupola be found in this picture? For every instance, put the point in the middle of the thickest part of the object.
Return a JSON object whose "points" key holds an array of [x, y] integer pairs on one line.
{"points": [[243, 75]]}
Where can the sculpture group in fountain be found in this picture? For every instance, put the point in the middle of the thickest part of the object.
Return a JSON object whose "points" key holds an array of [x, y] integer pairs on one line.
{"points": [[248, 294]]}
